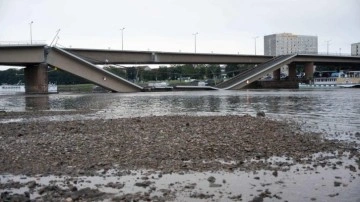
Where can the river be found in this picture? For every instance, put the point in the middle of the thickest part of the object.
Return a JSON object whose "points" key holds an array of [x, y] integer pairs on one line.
{"points": [[333, 112]]}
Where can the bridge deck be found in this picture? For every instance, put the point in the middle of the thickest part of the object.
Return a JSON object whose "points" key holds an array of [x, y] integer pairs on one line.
{"points": [[68, 62], [247, 77]]}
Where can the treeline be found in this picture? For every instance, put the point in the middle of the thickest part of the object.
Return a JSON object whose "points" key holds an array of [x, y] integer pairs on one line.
{"points": [[136, 73], [178, 72]]}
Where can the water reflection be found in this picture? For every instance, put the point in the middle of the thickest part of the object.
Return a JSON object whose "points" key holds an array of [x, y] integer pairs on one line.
{"points": [[336, 109], [37, 102]]}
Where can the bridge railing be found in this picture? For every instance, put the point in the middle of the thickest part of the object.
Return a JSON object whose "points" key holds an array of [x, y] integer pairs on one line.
{"points": [[16, 43], [325, 54]]}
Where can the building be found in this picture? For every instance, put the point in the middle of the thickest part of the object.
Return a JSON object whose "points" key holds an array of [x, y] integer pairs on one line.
{"points": [[287, 43], [355, 49]]}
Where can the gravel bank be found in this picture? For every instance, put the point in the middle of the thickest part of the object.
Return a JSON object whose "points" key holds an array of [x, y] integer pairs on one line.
{"points": [[168, 144]]}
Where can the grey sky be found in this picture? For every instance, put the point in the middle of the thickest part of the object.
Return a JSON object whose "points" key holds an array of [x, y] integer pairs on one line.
{"points": [[224, 26]]}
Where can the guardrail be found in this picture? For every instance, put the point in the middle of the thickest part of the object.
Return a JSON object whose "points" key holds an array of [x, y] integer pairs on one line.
{"points": [[324, 54], [16, 43]]}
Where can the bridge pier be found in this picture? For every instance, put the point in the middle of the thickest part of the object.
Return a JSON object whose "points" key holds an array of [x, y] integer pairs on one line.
{"points": [[309, 70], [292, 70], [276, 75], [36, 78]]}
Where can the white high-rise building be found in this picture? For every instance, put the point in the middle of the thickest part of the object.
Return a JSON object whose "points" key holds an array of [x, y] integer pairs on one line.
{"points": [[355, 49], [287, 43]]}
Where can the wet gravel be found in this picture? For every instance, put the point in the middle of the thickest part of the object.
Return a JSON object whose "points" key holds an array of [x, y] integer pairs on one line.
{"points": [[167, 144]]}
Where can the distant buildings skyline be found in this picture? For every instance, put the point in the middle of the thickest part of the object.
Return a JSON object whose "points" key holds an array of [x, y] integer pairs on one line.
{"points": [[288, 43], [355, 49]]}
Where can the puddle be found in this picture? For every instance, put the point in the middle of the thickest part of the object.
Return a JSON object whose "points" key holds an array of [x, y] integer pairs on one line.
{"points": [[298, 183]]}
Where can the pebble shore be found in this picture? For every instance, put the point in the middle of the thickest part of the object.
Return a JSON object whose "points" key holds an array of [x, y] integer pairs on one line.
{"points": [[168, 144]]}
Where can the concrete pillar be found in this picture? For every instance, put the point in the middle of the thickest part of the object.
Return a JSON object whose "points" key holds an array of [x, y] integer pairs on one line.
{"points": [[276, 75], [36, 78], [292, 71], [309, 70], [37, 102]]}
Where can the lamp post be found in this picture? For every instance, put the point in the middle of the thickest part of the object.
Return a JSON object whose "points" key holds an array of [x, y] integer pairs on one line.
{"points": [[122, 38], [31, 31], [195, 34], [255, 43], [327, 46]]}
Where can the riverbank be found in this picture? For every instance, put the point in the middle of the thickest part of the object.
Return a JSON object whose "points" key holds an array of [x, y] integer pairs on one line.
{"points": [[165, 144]]}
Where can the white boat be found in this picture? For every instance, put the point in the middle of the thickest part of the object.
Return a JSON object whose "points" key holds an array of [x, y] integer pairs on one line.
{"points": [[20, 88], [17, 88], [350, 79]]}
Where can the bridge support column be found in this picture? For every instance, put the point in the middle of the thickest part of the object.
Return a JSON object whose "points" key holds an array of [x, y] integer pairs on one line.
{"points": [[292, 71], [36, 78], [309, 70], [276, 75]]}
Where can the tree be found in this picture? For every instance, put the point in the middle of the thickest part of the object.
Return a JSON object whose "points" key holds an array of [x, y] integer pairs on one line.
{"points": [[162, 73], [116, 70], [131, 73], [214, 71], [12, 76], [61, 77], [234, 69]]}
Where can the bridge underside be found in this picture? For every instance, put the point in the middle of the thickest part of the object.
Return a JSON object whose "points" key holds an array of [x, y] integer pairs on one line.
{"points": [[80, 62]]}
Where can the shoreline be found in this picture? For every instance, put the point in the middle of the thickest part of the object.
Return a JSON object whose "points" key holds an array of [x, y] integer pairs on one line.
{"points": [[166, 144]]}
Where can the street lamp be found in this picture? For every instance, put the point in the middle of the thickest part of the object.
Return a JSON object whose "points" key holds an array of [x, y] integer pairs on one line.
{"points": [[122, 38], [327, 46], [195, 34], [255, 43], [31, 31]]}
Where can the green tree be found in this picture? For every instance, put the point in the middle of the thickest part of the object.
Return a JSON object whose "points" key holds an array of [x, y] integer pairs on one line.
{"points": [[131, 73], [116, 70], [12, 76]]}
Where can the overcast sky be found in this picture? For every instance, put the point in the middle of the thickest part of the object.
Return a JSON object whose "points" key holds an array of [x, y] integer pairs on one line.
{"points": [[224, 26]]}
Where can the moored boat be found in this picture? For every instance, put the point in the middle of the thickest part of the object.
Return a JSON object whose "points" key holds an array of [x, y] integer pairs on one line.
{"points": [[349, 79], [20, 88]]}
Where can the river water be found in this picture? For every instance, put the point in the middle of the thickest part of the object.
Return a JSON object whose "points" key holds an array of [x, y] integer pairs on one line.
{"points": [[333, 112]]}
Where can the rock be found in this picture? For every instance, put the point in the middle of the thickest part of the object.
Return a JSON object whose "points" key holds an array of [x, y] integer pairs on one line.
{"points": [[69, 199], [211, 179], [214, 185], [352, 168], [257, 199], [275, 173], [190, 186], [236, 197], [201, 195], [337, 184], [31, 184], [6, 196], [260, 114], [143, 184], [116, 185], [333, 195]]}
